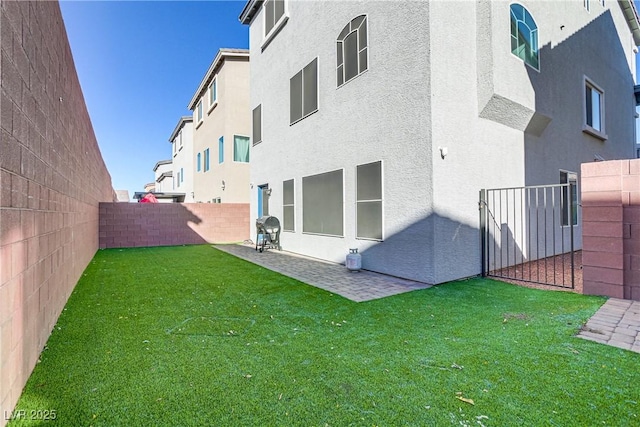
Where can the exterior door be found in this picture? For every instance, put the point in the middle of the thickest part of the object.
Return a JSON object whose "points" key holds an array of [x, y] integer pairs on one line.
{"points": [[263, 200]]}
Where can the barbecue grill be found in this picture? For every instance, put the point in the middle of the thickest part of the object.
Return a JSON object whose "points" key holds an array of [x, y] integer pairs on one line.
{"points": [[268, 233]]}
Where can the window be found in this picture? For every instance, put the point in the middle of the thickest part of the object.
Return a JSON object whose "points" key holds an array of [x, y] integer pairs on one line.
{"points": [[594, 108], [175, 147], [213, 92], [178, 179], [181, 174], [206, 160], [273, 13], [199, 111], [369, 201], [288, 206], [240, 149], [198, 162], [524, 36], [323, 204], [303, 92], [257, 125], [221, 149], [180, 137], [569, 203], [352, 50], [586, 5]]}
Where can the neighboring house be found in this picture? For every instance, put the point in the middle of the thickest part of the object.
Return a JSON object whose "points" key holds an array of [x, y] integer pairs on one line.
{"points": [[150, 186], [376, 124], [183, 165], [122, 196], [161, 197], [164, 176], [222, 125]]}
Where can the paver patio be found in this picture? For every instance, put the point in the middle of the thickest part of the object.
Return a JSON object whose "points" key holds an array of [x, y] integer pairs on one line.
{"points": [[616, 323], [356, 286]]}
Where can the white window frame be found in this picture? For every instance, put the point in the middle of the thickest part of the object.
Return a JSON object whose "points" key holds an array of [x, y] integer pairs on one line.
{"points": [[586, 128], [343, 205], [304, 116], [381, 200], [360, 50], [537, 30], [587, 5], [234, 148], [268, 37], [292, 205], [199, 114], [213, 94]]}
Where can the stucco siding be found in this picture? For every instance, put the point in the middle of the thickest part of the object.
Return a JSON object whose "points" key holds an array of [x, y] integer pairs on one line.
{"points": [[381, 115]]}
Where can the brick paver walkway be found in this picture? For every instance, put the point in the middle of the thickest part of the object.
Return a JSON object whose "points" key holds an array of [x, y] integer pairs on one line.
{"points": [[332, 277], [616, 323]]}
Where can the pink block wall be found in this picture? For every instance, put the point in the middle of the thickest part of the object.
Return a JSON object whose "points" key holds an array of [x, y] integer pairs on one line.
{"points": [[611, 228], [126, 225], [52, 178]]}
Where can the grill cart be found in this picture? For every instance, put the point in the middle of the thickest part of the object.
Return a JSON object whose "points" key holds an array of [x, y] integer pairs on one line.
{"points": [[267, 233]]}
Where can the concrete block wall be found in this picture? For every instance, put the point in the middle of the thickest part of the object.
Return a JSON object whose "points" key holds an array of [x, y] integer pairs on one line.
{"points": [[611, 228], [52, 178], [126, 225]]}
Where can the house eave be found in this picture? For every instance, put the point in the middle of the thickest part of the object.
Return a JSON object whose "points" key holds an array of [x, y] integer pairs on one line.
{"points": [[180, 125], [631, 15], [249, 11], [222, 55], [162, 162]]}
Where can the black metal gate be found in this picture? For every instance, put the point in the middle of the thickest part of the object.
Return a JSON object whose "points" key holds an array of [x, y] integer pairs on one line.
{"points": [[528, 234]]}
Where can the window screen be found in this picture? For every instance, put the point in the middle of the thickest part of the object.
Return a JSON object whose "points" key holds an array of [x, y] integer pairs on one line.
{"points": [[369, 201], [322, 203], [303, 92], [288, 206], [257, 124], [568, 201]]}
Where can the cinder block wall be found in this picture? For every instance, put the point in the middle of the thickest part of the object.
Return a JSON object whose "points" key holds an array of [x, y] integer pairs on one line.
{"points": [[126, 225], [52, 177], [611, 228]]}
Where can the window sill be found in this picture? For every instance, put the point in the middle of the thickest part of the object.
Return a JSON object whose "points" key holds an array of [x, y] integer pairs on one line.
{"points": [[303, 117], [199, 124], [594, 132], [256, 143], [215, 104], [274, 31], [371, 239], [340, 236]]}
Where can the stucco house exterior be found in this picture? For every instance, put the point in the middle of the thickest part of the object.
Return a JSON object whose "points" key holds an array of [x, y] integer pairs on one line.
{"points": [[183, 170], [164, 181], [376, 124], [221, 128]]}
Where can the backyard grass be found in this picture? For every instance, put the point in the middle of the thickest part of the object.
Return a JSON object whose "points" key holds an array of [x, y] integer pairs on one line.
{"points": [[192, 336]]}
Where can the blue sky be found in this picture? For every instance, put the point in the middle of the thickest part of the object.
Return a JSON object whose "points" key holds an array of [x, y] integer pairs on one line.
{"points": [[139, 63]]}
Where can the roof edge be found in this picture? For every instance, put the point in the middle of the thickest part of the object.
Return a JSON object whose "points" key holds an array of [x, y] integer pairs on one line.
{"points": [[220, 57], [631, 14], [249, 11], [162, 162], [181, 122]]}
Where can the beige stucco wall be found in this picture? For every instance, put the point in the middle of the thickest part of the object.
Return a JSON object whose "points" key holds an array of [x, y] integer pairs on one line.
{"points": [[231, 116]]}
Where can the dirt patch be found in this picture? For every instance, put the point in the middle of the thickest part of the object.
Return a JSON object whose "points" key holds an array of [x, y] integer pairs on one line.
{"points": [[552, 273]]}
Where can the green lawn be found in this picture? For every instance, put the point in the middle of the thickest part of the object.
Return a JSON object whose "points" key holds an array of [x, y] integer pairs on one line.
{"points": [[192, 336]]}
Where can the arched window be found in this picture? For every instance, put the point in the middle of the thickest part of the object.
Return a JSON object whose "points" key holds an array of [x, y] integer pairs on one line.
{"points": [[524, 36], [352, 50]]}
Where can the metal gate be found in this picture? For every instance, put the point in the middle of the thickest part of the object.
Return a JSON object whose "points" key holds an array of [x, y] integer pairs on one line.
{"points": [[529, 234]]}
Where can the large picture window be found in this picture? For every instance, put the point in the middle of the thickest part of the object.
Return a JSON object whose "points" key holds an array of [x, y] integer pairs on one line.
{"points": [[323, 203], [241, 149], [303, 92], [288, 206], [369, 201], [352, 50], [569, 199], [524, 36]]}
